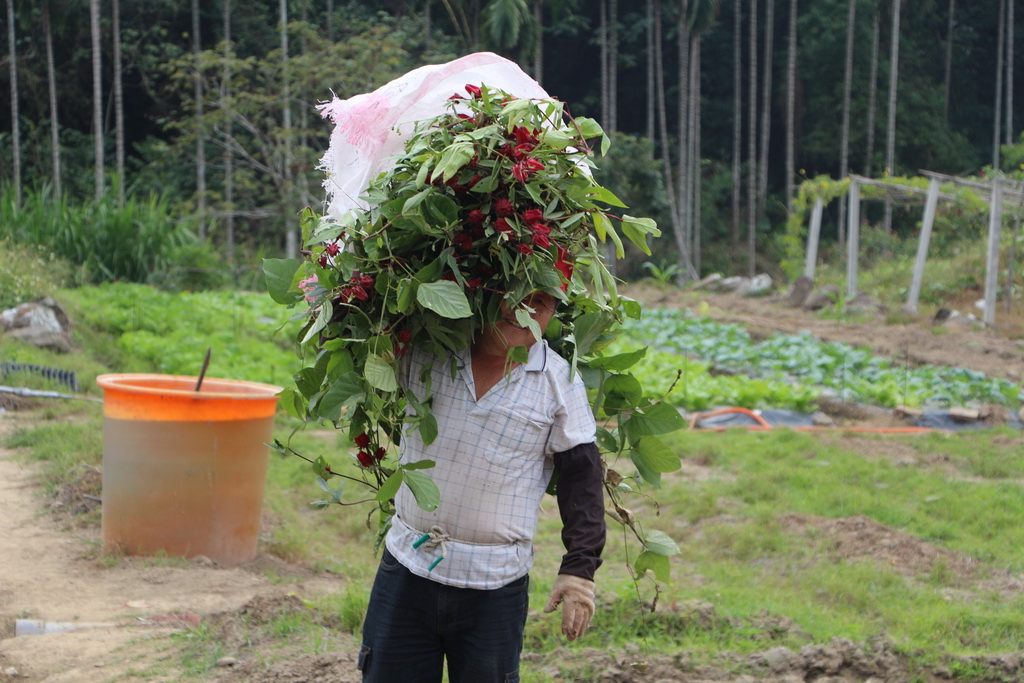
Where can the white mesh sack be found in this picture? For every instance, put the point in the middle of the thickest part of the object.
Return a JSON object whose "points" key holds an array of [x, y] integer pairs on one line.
{"points": [[372, 128]]}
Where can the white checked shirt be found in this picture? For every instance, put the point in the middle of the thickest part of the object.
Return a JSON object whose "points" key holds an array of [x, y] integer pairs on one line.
{"points": [[493, 463]]}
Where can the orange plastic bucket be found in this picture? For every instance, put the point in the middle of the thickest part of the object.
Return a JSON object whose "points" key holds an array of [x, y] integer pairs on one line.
{"points": [[184, 471]]}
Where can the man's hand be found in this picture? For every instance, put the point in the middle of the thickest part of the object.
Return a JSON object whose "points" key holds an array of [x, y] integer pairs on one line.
{"points": [[577, 597]]}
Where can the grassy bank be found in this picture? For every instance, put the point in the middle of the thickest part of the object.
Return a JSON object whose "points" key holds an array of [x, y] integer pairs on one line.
{"points": [[913, 543]]}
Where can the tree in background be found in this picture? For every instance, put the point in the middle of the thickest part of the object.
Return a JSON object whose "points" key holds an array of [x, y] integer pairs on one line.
{"points": [[97, 94], [15, 115]]}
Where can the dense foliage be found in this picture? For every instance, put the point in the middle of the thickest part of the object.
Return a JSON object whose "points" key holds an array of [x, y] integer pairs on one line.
{"points": [[256, 97]]}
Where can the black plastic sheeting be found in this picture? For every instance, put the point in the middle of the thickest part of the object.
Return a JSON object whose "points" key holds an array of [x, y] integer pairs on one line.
{"points": [[941, 420], [937, 419]]}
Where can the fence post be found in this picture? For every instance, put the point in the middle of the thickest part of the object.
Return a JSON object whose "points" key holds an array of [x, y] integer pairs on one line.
{"points": [[853, 239], [995, 224], [812, 239], [922, 246]]}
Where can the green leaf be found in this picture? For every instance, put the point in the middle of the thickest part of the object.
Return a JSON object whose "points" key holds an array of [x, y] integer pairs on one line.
{"points": [[429, 272], [293, 403], [660, 418], [320, 467], [618, 362], [419, 465], [414, 201], [524, 319], [428, 428], [622, 392], [424, 489], [445, 298], [661, 543], [607, 440], [658, 564], [349, 386], [605, 196], [589, 128], [279, 274], [656, 455], [323, 313], [637, 229], [406, 295], [390, 487], [308, 380], [454, 158], [652, 477], [587, 329], [380, 374]]}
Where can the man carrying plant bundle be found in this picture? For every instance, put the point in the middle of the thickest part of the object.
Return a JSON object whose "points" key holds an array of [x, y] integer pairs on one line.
{"points": [[429, 294], [453, 582]]}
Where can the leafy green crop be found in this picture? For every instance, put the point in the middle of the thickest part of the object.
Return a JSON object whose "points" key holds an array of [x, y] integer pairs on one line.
{"points": [[786, 367], [156, 331]]}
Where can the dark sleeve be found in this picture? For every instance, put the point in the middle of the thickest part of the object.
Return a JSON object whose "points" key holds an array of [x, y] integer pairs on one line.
{"points": [[580, 493]]}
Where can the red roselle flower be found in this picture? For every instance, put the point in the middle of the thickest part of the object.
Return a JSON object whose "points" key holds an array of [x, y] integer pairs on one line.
{"points": [[363, 440], [404, 336], [563, 264], [533, 216], [332, 249], [379, 455], [456, 96], [476, 217], [365, 459], [540, 236], [522, 151], [525, 249], [463, 241], [522, 170], [366, 280], [473, 90], [524, 135], [474, 283], [502, 225], [503, 207], [358, 292]]}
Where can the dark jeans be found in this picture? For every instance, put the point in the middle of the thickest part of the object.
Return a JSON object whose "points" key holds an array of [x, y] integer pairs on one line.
{"points": [[412, 624]]}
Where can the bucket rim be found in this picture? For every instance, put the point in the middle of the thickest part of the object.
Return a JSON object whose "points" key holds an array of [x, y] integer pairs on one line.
{"points": [[129, 383]]}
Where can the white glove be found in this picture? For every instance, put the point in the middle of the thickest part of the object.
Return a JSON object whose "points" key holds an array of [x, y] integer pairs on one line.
{"points": [[577, 597]]}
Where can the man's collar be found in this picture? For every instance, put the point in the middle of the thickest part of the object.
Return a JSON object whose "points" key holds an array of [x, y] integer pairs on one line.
{"points": [[538, 357]]}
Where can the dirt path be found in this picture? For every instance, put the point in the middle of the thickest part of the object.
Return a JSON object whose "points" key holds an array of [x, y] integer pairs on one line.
{"points": [[49, 574]]}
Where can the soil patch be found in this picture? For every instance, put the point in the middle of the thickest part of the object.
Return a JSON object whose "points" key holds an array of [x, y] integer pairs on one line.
{"points": [[124, 612], [862, 538]]}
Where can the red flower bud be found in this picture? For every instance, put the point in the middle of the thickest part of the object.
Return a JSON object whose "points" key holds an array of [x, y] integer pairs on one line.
{"points": [[541, 240], [365, 459], [363, 440], [332, 249], [503, 207], [358, 292], [456, 96], [473, 90], [404, 336], [366, 281], [379, 455], [525, 249], [502, 225], [476, 217]]}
